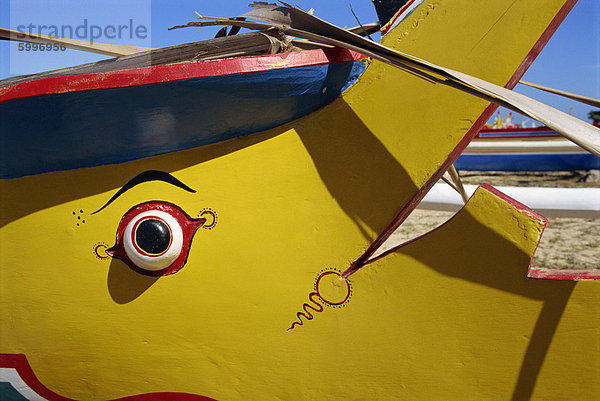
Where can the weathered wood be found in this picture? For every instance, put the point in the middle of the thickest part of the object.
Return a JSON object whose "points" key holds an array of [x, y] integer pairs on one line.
{"points": [[253, 43], [301, 24], [580, 98]]}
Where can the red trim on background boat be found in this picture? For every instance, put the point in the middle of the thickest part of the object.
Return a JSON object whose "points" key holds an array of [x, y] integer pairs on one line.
{"points": [[365, 258], [553, 274], [520, 132], [174, 72], [21, 365], [536, 136], [501, 137], [517, 129]]}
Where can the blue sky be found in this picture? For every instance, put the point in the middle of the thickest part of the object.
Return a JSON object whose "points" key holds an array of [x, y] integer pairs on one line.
{"points": [[570, 61]]}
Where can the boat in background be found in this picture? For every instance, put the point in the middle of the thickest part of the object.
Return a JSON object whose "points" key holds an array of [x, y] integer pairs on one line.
{"points": [[516, 148]]}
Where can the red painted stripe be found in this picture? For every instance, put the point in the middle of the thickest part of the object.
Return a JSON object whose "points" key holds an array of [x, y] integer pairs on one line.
{"points": [[500, 137], [166, 397], [364, 259], [518, 205], [19, 362], [551, 274], [512, 82], [489, 111], [524, 209], [387, 26], [519, 129], [174, 72], [21, 365], [515, 203], [521, 132], [537, 48]]}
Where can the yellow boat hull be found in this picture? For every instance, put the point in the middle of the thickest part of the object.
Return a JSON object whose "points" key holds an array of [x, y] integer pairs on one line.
{"points": [[450, 316]]}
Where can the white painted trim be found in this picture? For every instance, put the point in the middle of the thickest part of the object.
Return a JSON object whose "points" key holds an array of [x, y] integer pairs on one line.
{"points": [[549, 202], [11, 376], [523, 146]]}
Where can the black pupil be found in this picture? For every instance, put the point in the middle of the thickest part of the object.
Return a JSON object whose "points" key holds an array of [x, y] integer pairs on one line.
{"points": [[153, 236]]}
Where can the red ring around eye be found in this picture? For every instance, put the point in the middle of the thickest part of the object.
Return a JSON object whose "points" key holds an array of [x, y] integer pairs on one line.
{"points": [[134, 239], [136, 252]]}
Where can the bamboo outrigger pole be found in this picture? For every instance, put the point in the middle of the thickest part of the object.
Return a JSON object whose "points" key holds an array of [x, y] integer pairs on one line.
{"points": [[84, 45]]}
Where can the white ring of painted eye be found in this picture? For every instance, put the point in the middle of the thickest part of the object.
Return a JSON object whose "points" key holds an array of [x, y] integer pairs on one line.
{"points": [[148, 261]]}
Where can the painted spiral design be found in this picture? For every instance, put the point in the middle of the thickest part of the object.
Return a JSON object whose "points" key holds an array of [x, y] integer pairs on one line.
{"points": [[307, 314], [320, 294]]}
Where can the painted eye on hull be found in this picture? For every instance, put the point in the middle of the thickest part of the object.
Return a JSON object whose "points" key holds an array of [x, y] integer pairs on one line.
{"points": [[154, 238]]}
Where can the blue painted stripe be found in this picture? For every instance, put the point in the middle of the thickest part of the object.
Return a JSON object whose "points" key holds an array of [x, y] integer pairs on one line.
{"points": [[528, 162], [90, 128], [494, 134]]}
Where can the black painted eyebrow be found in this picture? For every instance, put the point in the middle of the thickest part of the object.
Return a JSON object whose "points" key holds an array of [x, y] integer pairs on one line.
{"points": [[150, 175]]}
